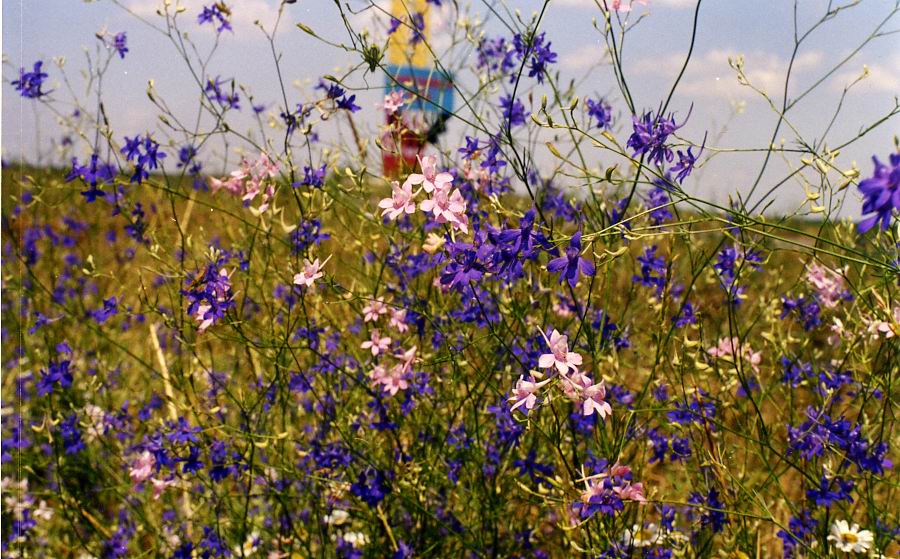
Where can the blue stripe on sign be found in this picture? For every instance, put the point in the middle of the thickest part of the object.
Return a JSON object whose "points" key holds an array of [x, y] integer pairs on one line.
{"points": [[433, 88]]}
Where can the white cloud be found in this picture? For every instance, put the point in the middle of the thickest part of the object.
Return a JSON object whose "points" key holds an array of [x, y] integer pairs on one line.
{"points": [[243, 14], [881, 78], [710, 75], [676, 4], [588, 56]]}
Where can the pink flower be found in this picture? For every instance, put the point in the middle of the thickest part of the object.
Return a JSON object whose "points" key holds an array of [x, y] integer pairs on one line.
{"points": [[524, 393], [631, 492], [560, 357], [392, 102], [142, 467], [407, 358], [374, 310], [251, 180], [447, 208], [311, 272], [883, 328], [829, 285], [593, 397], [395, 380], [400, 202], [159, 486], [377, 343], [430, 179], [398, 320], [621, 6], [231, 185], [729, 347]]}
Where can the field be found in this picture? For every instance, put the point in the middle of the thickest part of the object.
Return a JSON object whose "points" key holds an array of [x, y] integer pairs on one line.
{"points": [[476, 355]]}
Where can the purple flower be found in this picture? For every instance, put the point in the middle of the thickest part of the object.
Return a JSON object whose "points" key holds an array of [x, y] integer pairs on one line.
{"points": [[110, 307], [57, 373], [686, 162], [601, 111], [539, 53], [572, 263], [393, 25], [417, 21], [650, 135], [332, 90], [214, 92], [372, 486], [882, 193], [347, 103], [93, 174], [314, 178], [513, 111], [471, 149], [213, 14], [145, 154], [29, 83], [495, 55], [120, 44], [658, 202]]}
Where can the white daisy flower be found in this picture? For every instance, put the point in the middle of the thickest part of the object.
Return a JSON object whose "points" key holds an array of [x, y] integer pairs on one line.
{"points": [[640, 536], [850, 538]]}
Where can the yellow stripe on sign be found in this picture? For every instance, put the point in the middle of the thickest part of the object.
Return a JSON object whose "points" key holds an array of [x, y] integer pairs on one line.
{"points": [[400, 50]]}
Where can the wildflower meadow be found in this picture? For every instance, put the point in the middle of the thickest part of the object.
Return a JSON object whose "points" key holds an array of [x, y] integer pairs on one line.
{"points": [[434, 286]]}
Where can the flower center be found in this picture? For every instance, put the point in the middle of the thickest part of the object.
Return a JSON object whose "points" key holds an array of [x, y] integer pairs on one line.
{"points": [[849, 537]]}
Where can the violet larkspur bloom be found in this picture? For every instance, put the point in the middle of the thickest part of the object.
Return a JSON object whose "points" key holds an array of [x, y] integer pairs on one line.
{"points": [[348, 103], [513, 111], [601, 111], [572, 263], [539, 53], [882, 193], [650, 135], [215, 92], [314, 178], [92, 174], [686, 162], [29, 83], [213, 14], [120, 43], [145, 154]]}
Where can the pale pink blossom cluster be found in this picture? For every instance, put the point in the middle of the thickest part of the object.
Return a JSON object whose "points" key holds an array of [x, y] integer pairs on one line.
{"points": [[310, 273], [395, 378], [249, 181], [475, 173], [597, 486], [446, 204], [828, 284], [729, 348], [392, 102], [624, 5], [576, 385], [885, 328], [377, 343], [142, 469]]}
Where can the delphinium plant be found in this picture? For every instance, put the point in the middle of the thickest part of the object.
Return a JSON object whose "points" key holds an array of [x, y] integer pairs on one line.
{"points": [[530, 341]]}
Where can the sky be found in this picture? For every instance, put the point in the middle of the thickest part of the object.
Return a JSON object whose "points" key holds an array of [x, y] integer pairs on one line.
{"points": [[728, 114]]}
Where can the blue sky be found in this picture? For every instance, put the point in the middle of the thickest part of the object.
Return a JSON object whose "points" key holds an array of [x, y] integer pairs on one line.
{"points": [[761, 31]]}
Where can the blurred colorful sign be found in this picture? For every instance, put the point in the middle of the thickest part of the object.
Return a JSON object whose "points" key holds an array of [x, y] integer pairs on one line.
{"points": [[427, 91]]}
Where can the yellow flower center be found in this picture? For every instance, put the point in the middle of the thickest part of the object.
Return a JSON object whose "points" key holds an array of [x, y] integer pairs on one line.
{"points": [[849, 537]]}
